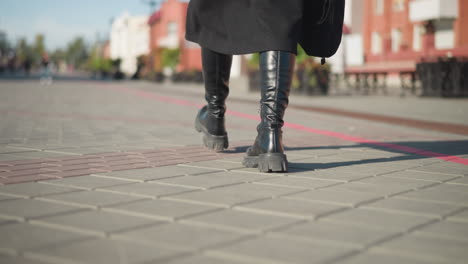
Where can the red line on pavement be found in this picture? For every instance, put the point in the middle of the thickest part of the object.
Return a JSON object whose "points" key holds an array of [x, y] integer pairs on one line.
{"points": [[421, 152]]}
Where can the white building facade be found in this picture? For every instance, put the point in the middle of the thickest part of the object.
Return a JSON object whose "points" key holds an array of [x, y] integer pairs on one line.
{"points": [[351, 51], [129, 38]]}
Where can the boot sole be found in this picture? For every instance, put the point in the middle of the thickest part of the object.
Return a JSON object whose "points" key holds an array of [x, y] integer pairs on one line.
{"points": [[270, 162], [216, 143]]}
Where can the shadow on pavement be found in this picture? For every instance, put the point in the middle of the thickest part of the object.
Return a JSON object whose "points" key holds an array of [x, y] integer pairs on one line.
{"points": [[446, 148]]}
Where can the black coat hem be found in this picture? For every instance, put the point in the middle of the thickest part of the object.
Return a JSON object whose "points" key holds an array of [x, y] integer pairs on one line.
{"points": [[227, 48]]}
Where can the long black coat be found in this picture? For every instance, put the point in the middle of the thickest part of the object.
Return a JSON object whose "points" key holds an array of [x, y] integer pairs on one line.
{"points": [[248, 26]]}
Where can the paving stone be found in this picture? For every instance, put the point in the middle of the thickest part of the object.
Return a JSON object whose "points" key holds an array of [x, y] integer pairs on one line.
{"points": [[460, 188], [369, 167], [11, 149], [446, 229], [290, 208], [335, 174], [19, 260], [312, 165], [446, 193], [396, 182], [87, 182], [91, 198], [25, 179], [240, 221], [385, 190], [19, 162], [419, 175], [461, 180], [26, 209], [83, 151], [414, 207], [317, 152], [161, 209], [199, 259], [27, 172], [374, 257], [7, 221], [333, 233], [6, 158], [95, 222], [39, 155], [212, 180], [180, 236], [157, 173], [150, 190], [446, 168], [6, 197], [378, 219], [215, 164], [319, 163], [297, 182], [338, 197], [460, 217], [439, 249], [271, 249], [32, 189], [233, 195], [84, 160], [26, 167], [106, 251], [24, 236]]}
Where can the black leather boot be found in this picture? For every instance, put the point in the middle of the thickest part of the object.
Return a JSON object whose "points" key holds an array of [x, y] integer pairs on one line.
{"points": [[210, 119], [267, 152]]}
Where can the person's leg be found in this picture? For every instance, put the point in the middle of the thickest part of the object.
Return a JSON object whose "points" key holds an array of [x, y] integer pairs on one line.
{"points": [[210, 119], [267, 152]]}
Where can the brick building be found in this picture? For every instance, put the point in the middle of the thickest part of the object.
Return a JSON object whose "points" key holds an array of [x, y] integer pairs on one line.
{"points": [[399, 33], [167, 30]]}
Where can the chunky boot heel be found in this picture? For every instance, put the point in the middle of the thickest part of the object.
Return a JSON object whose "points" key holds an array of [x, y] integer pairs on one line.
{"points": [[216, 143], [272, 162]]}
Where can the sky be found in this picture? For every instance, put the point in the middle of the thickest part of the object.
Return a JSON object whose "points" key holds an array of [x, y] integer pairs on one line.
{"points": [[62, 20]]}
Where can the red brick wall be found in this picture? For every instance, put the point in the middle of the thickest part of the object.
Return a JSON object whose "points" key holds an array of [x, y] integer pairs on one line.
{"points": [[390, 19], [174, 11], [461, 31]]}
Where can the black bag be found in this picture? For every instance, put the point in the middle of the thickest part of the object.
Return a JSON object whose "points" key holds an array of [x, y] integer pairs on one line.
{"points": [[322, 37]]}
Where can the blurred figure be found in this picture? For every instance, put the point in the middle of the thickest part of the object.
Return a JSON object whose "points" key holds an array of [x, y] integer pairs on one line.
{"points": [[27, 66], [46, 77]]}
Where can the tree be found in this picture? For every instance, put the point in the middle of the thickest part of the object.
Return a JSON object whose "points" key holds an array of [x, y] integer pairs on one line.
{"points": [[77, 52], [58, 55], [24, 51], [170, 57], [39, 47], [5, 45]]}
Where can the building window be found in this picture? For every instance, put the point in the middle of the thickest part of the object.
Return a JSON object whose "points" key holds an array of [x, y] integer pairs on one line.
{"points": [[398, 5], [418, 31], [379, 6], [444, 34], [396, 39], [376, 45], [172, 29]]}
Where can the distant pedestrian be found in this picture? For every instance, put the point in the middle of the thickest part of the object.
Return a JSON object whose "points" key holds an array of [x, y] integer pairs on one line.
{"points": [[273, 28], [46, 77]]}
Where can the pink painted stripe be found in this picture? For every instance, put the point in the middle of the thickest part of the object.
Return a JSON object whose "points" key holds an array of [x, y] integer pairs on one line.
{"points": [[421, 152]]}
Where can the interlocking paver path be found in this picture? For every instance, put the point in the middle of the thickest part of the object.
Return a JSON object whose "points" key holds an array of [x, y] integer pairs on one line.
{"points": [[103, 172]]}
